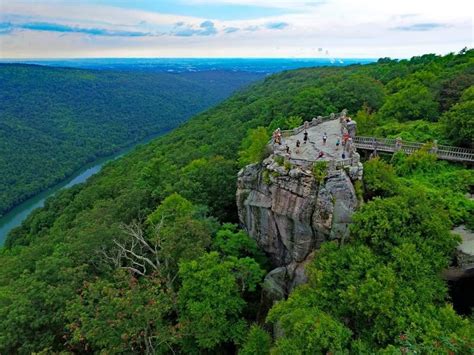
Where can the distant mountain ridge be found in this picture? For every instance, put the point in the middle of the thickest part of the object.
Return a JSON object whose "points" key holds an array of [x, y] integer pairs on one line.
{"points": [[184, 65], [55, 120]]}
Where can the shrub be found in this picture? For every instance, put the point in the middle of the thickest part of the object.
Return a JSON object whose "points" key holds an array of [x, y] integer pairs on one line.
{"points": [[279, 160], [379, 179], [253, 148], [320, 170]]}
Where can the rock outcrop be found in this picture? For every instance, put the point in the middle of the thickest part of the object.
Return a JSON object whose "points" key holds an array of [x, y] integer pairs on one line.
{"points": [[290, 214]]}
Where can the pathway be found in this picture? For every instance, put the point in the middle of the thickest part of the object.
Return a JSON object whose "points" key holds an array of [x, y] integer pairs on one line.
{"points": [[389, 145], [310, 151]]}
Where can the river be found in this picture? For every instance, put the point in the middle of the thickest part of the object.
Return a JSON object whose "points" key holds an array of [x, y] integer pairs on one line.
{"points": [[17, 215]]}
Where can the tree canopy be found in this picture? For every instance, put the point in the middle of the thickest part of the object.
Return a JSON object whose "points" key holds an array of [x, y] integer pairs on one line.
{"points": [[142, 258]]}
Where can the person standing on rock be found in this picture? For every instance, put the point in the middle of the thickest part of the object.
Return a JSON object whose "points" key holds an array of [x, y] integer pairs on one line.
{"points": [[278, 134], [305, 137], [338, 142], [298, 143], [325, 138]]}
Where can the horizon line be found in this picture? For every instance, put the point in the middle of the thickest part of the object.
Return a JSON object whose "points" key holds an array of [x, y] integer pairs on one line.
{"points": [[266, 58]]}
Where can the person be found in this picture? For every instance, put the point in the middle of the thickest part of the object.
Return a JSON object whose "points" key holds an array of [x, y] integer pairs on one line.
{"points": [[274, 137], [279, 136], [345, 137], [287, 150], [343, 155], [321, 154], [325, 138], [298, 144], [305, 137], [338, 142]]}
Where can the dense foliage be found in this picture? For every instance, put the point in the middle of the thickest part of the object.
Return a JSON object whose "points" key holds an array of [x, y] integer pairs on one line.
{"points": [[135, 259], [382, 291], [53, 120]]}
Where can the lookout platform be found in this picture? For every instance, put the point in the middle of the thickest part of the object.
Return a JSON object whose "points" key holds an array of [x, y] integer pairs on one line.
{"points": [[334, 127]]}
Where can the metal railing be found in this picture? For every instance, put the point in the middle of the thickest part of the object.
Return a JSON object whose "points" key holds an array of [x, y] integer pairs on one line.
{"points": [[391, 145], [314, 122]]}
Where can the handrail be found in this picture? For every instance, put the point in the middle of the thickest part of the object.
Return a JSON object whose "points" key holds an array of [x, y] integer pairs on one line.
{"points": [[314, 122], [392, 145]]}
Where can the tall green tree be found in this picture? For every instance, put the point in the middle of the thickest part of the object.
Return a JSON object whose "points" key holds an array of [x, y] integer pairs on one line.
{"points": [[211, 299], [253, 147], [459, 120]]}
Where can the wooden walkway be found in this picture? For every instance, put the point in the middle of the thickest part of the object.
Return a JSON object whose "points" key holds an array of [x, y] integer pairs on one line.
{"points": [[331, 125], [389, 145]]}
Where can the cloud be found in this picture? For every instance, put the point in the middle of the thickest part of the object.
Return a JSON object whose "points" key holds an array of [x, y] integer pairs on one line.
{"points": [[5, 28], [206, 28], [55, 27], [420, 27], [252, 28], [345, 28], [270, 26], [231, 29], [276, 25]]}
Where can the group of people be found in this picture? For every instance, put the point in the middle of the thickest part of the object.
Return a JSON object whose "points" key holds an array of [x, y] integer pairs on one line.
{"points": [[345, 140]]}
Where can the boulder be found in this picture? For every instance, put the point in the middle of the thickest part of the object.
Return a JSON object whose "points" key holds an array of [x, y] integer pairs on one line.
{"points": [[291, 215]]}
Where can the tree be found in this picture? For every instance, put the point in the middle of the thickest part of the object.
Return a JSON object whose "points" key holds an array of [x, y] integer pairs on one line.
{"points": [[354, 91], [453, 88], [211, 299], [379, 179], [180, 231], [415, 216], [294, 122], [258, 342], [412, 103], [253, 147], [230, 241], [204, 179], [308, 330], [459, 120], [311, 102], [124, 315]]}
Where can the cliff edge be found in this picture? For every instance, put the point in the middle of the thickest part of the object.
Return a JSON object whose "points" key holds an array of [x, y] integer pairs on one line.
{"points": [[291, 206]]}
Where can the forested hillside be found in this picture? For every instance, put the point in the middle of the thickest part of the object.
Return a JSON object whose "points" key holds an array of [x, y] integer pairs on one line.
{"points": [[142, 257], [54, 120]]}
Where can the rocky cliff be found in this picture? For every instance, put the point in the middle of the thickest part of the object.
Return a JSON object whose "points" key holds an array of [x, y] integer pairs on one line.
{"points": [[290, 214]]}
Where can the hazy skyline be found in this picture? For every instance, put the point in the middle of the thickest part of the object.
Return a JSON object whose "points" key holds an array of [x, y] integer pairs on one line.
{"points": [[232, 28]]}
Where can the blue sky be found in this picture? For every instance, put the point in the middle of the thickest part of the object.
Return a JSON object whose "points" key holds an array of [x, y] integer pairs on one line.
{"points": [[217, 11], [232, 28]]}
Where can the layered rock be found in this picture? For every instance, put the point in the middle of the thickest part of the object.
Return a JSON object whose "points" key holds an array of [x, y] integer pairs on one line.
{"points": [[290, 214]]}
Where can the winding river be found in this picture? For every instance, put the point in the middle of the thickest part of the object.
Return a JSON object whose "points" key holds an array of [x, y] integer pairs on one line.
{"points": [[17, 215]]}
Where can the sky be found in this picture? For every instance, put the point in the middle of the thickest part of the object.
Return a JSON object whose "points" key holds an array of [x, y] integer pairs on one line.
{"points": [[233, 28]]}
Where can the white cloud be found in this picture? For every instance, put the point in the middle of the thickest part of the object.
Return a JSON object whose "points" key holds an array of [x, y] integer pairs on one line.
{"points": [[345, 28]]}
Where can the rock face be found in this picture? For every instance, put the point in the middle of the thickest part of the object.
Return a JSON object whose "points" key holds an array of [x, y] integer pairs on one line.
{"points": [[465, 251], [290, 214]]}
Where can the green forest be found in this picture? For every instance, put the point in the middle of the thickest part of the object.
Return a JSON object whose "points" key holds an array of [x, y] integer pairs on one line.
{"points": [[53, 121], [147, 256]]}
